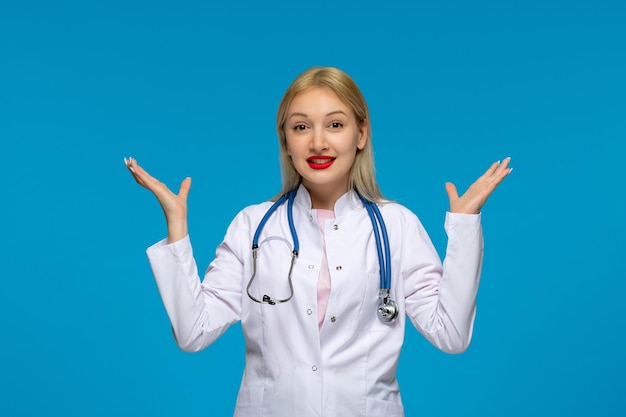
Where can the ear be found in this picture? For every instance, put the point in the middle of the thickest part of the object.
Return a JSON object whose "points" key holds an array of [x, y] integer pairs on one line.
{"points": [[363, 135]]}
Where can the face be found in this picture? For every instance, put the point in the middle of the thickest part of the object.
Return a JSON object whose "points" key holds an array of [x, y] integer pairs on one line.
{"points": [[323, 137]]}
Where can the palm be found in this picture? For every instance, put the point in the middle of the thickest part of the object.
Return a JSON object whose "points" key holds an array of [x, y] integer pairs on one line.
{"points": [[472, 201], [174, 205]]}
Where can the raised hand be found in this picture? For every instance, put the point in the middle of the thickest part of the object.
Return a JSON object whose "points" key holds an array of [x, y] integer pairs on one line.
{"points": [[174, 205], [474, 198]]}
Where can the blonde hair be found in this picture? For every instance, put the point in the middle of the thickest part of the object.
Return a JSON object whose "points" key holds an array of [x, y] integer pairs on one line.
{"points": [[362, 174]]}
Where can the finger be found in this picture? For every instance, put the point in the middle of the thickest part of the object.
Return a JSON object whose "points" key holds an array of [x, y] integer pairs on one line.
{"points": [[127, 162], [499, 176], [490, 171], [132, 166], [147, 181], [453, 195], [496, 172], [129, 165], [503, 167], [142, 176], [185, 186]]}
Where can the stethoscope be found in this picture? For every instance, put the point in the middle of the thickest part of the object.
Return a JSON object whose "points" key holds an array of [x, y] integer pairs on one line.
{"points": [[387, 309]]}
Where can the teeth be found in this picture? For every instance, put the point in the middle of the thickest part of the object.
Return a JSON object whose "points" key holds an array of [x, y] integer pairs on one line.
{"points": [[320, 161]]}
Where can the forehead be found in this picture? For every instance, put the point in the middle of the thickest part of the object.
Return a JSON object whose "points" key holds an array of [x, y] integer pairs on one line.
{"points": [[318, 100]]}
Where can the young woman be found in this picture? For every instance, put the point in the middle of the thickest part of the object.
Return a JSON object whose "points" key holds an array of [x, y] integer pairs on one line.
{"points": [[324, 283]]}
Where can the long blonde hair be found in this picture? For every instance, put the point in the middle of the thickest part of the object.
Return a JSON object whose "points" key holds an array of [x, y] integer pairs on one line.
{"points": [[362, 174]]}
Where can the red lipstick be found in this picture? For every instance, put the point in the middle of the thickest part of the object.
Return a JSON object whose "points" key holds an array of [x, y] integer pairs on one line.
{"points": [[320, 161]]}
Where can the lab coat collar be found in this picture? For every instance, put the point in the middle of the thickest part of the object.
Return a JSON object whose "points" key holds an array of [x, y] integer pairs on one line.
{"points": [[346, 203]]}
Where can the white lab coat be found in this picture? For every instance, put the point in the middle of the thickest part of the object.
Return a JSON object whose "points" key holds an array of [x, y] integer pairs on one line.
{"points": [[348, 367]]}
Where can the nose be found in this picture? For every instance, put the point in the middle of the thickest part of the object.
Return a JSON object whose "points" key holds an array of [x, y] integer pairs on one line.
{"points": [[318, 141]]}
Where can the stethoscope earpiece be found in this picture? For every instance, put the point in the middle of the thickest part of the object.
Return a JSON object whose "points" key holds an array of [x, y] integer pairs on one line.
{"points": [[268, 300]]}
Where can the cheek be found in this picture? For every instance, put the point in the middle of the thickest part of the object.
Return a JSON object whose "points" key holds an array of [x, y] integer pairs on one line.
{"points": [[292, 147]]}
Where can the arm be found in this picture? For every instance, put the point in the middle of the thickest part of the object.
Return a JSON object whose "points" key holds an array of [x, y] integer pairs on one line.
{"points": [[199, 312], [441, 299]]}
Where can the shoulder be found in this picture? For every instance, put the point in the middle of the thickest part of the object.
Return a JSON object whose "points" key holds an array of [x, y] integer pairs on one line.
{"points": [[397, 213], [242, 227], [254, 210], [400, 221], [252, 213]]}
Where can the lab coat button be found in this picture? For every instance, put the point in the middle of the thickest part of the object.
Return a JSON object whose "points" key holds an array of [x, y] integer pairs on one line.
{"points": [[314, 368], [309, 311], [338, 268], [311, 266], [333, 319], [336, 226]]}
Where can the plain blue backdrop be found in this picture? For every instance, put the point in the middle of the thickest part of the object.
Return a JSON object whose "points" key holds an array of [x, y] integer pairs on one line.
{"points": [[191, 89]]}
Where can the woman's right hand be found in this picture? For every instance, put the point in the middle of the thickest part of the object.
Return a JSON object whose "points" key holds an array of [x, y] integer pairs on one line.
{"points": [[174, 205]]}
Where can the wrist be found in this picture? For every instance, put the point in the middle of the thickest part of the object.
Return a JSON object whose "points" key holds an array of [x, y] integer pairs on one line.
{"points": [[176, 230]]}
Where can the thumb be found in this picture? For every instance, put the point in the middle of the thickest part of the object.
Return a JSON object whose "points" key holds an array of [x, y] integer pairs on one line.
{"points": [[185, 186], [451, 190]]}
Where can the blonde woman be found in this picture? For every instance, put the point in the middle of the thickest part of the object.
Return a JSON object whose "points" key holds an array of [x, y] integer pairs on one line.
{"points": [[324, 282]]}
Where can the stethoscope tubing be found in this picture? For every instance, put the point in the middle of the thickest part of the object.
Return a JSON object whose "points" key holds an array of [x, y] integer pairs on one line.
{"points": [[290, 197], [292, 227], [388, 309], [379, 228]]}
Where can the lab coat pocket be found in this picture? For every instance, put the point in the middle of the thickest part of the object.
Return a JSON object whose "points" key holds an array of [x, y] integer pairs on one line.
{"points": [[380, 408], [249, 397]]}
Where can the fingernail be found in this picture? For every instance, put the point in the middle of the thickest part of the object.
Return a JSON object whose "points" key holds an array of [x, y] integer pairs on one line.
{"points": [[510, 170], [498, 162], [131, 169]]}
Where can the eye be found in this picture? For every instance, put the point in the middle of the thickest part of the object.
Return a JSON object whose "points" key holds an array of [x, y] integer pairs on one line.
{"points": [[299, 127], [335, 125]]}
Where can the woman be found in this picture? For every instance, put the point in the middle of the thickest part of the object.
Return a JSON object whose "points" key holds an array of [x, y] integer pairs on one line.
{"points": [[316, 342]]}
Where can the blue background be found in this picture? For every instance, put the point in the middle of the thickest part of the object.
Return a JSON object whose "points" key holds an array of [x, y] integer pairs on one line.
{"points": [[192, 89]]}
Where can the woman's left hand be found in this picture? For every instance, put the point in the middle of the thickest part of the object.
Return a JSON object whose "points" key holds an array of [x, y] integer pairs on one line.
{"points": [[474, 198]]}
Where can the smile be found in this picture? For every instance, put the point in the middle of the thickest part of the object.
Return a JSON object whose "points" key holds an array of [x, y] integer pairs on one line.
{"points": [[320, 162]]}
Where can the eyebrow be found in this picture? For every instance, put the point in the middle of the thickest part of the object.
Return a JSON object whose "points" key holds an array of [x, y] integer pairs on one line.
{"points": [[328, 114]]}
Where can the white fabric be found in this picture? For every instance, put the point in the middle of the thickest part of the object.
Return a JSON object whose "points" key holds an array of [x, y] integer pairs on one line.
{"points": [[348, 367]]}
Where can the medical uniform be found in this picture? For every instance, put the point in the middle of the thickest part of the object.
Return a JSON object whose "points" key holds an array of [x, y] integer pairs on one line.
{"points": [[346, 367]]}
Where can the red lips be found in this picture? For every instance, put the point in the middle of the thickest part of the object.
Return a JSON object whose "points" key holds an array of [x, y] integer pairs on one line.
{"points": [[320, 161]]}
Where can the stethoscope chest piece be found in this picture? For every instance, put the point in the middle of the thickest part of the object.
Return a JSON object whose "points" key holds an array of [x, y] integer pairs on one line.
{"points": [[387, 309]]}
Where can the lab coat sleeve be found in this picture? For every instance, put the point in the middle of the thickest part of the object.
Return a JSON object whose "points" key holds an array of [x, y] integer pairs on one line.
{"points": [[199, 312], [440, 298]]}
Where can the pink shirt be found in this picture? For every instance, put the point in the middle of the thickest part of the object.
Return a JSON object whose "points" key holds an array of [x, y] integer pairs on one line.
{"points": [[323, 281]]}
